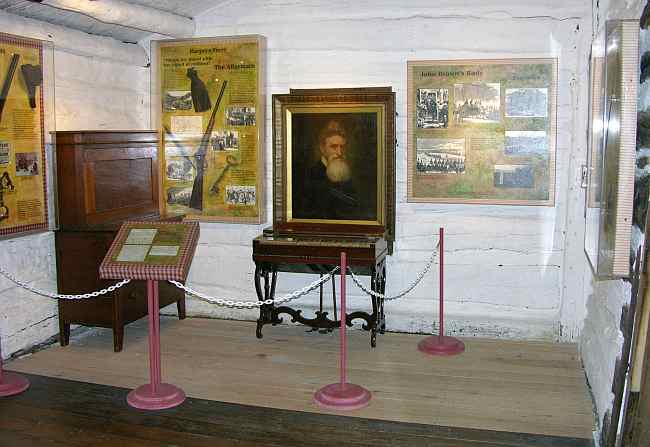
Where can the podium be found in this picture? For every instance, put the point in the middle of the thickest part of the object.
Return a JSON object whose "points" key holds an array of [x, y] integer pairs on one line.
{"points": [[152, 251]]}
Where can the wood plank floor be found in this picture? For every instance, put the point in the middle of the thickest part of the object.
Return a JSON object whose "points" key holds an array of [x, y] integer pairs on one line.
{"points": [[495, 386], [58, 412]]}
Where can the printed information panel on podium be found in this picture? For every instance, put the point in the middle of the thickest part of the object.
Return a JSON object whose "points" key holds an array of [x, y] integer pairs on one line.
{"points": [[151, 250]]}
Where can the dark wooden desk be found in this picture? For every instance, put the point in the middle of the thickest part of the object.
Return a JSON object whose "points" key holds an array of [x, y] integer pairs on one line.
{"points": [[304, 254]]}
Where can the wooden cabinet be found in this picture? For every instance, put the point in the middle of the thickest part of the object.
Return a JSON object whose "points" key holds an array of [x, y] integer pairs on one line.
{"points": [[106, 176], [103, 178]]}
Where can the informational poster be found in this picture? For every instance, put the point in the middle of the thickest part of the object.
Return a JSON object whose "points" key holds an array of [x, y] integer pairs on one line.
{"points": [[210, 112], [23, 198], [151, 251], [151, 244], [482, 131]]}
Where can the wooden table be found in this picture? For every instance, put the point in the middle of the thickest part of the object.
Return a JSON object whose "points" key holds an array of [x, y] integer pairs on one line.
{"points": [[317, 254]]}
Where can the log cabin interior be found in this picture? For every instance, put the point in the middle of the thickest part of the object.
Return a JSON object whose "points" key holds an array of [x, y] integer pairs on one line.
{"points": [[517, 127]]}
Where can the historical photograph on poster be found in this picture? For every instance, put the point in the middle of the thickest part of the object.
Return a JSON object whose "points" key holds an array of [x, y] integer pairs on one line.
{"points": [[432, 108], [440, 156], [477, 103], [177, 100], [526, 142], [225, 140], [180, 169], [240, 195], [208, 103], [179, 195], [240, 116], [527, 102], [498, 144], [4, 152], [27, 163], [513, 176]]}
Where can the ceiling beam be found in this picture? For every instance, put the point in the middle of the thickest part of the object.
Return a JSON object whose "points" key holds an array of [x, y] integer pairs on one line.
{"points": [[118, 12], [75, 42]]}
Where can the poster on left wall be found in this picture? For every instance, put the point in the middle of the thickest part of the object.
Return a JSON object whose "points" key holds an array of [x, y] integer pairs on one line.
{"points": [[23, 138]]}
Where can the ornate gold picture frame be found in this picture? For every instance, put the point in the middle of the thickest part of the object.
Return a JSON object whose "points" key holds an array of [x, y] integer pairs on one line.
{"points": [[334, 161]]}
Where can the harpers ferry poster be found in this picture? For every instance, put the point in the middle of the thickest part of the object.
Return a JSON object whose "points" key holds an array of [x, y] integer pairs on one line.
{"points": [[210, 111]]}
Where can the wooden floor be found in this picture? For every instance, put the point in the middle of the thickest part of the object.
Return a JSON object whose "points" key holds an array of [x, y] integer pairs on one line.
{"points": [[513, 388]]}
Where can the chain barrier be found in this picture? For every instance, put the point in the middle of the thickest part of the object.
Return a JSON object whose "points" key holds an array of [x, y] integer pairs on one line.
{"points": [[230, 303], [82, 296], [411, 286], [250, 304]]}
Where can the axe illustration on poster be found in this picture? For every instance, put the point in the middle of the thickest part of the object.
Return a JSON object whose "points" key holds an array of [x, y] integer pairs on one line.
{"points": [[33, 77]]}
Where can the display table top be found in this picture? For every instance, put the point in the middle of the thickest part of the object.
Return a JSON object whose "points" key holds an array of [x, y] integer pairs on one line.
{"points": [[151, 251], [289, 252]]}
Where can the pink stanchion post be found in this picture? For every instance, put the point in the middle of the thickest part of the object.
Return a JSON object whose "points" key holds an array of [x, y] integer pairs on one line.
{"points": [[343, 395], [11, 383], [441, 344], [155, 395]]}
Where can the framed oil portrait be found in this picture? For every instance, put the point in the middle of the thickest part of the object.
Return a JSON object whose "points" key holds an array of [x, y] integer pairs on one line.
{"points": [[334, 161], [482, 131], [612, 149]]}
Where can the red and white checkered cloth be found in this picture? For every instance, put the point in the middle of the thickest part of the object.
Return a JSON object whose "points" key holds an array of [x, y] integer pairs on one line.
{"points": [[113, 269]]}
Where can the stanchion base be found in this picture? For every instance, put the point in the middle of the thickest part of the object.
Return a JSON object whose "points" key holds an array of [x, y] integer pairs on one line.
{"points": [[444, 345], [167, 396], [347, 396], [12, 384]]}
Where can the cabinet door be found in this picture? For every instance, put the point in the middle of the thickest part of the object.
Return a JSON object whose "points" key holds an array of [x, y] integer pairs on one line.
{"points": [[78, 255], [119, 183]]}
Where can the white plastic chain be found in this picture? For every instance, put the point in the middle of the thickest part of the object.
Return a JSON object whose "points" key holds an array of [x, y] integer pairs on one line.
{"points": [[63, 296], [405, 291], [250, 304]]}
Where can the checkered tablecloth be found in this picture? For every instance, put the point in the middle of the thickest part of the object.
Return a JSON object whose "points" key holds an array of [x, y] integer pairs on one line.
{"points": [[113, 269]]}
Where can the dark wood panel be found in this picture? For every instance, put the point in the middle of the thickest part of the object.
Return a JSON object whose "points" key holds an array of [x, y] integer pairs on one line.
{"points": [[56, 411], [106, 176], [73, 137], [133, 190]]}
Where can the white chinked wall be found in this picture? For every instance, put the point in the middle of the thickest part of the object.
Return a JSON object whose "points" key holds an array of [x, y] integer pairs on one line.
{"points": [[508, 270]]}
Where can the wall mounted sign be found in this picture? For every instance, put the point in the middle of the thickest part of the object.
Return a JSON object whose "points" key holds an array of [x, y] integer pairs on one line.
{"points": [[23, 182], [482, 131], [208, 102]]}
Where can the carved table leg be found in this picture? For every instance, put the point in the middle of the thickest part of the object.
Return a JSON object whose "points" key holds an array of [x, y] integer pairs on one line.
{"points": [[381, 288], [375, 308], [266, 310]]}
